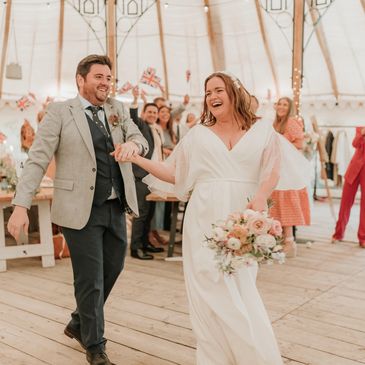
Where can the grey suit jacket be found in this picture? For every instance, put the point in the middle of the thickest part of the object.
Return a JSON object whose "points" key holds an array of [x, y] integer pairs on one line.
{"points": [[65, 134]]}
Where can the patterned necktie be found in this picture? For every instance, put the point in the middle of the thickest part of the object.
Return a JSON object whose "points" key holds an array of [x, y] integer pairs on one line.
{"points": [[94, 110]]}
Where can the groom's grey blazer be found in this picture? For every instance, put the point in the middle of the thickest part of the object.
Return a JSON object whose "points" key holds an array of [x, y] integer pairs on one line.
{"points": [[65, 134]]}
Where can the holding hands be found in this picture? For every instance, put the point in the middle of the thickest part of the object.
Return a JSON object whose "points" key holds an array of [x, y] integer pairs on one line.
{"points": [[126, 152]]}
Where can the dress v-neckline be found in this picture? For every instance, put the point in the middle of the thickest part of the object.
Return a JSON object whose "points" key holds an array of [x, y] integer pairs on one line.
{"points": [[221, 140]]}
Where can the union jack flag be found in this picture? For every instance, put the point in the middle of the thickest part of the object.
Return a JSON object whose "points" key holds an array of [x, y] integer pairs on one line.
{"points": [[125, 88], [25, 101], [150, 78]]}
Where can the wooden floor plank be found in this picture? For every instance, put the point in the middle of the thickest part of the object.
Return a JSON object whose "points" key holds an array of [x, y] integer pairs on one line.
{"points": [[315, 301], [11, 355]]}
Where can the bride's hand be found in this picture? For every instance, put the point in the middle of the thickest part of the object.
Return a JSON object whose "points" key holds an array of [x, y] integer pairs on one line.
{"points": [[126, 152], [258, 203]]}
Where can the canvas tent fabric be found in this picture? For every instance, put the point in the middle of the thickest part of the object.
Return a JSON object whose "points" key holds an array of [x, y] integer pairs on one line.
{"points": [[34, 44]]}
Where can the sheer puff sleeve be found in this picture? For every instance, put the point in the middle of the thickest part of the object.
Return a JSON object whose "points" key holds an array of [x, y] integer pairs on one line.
{"points": [[283, 162], [179, 163]]}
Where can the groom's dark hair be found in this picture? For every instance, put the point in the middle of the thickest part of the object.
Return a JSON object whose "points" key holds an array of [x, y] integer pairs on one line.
{"points": [[84, 65]]}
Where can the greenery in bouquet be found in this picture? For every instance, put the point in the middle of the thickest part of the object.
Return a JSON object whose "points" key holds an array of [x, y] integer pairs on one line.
{"points": [[310, 144], [245, 238]]}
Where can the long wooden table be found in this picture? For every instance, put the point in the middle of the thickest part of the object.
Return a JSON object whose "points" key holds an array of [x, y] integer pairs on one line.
{"points": [[45, 248], [175, 210]]}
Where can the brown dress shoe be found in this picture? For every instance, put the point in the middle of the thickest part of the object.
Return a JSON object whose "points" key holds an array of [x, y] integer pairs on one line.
{"points": [[100, 358], [73, 333]]}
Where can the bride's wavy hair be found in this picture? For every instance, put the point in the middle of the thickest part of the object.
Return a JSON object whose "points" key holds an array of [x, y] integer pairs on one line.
{"points": [[239, 97]]}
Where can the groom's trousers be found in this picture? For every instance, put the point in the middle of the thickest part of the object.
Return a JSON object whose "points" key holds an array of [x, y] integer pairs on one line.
{"points": [[97, 255]]}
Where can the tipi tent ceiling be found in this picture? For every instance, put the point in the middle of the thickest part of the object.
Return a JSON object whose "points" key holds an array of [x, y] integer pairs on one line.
{"points": [[48, 39]]}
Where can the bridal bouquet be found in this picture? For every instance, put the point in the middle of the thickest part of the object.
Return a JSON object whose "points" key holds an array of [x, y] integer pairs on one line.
{"points": [[245, 238]]}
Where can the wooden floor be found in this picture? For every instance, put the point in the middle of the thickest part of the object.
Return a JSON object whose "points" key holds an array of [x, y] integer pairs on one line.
{"points": [[316, 303]]}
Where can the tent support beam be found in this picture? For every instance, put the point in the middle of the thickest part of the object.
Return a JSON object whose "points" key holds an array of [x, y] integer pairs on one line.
{"points": [[111, 40], [163, 49], [60, 45], [267, 46], [297, 64], [212, 40], [325, 50], [5, 44], [363, 4]]}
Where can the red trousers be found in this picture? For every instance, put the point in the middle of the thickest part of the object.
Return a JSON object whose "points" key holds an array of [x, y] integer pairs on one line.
{"points": [[348, 197]]}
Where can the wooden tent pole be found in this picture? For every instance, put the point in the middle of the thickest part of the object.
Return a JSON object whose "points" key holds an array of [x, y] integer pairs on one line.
{"points": [[111, 39], [297, 64], [163, 49], [5, 44], [60, 45], [212, 39], [323, 158], [363, 4]]}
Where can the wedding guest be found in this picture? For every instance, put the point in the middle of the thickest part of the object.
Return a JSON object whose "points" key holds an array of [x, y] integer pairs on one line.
{"points": [[354, 177], [291, 208], [141, 247], [191, 120]]}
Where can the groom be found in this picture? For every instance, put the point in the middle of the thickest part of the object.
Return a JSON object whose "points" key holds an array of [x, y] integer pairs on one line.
{"points": [[92, 192]]}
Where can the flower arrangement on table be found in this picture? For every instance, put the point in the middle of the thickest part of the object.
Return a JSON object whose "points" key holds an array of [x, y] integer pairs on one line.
{"points": [[8, 174], [310, 144], [245, 238]]}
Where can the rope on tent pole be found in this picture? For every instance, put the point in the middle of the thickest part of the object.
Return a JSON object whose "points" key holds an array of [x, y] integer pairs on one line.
{"points": [[88, 24], [133, 25]]}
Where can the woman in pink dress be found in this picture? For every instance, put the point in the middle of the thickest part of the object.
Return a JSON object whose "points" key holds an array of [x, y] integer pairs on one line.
{"points": [[291, 207]]}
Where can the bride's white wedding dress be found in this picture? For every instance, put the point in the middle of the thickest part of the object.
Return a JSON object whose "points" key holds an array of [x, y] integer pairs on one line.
{"points": [[228, 317]]}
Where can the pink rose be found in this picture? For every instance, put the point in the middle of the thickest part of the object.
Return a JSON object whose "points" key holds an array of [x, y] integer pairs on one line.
{"points": [[235, 216], [257, 224], [276, 228], [239, 232]]}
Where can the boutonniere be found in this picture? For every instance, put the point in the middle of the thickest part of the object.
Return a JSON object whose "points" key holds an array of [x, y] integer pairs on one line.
{"points": [[114, 119]]}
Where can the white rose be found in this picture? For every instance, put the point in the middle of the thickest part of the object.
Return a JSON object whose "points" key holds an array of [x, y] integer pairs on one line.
{"points": [[277, 248], [230, 223], [234, 243], [266, 241], [219, 233], [248, 213]]}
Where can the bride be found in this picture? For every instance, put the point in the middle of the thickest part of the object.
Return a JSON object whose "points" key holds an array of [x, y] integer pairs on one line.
{"points": [[219, 165]]}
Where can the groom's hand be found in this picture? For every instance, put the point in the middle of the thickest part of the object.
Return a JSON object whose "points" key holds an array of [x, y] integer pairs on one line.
{"points": [[125, 152], [18, 222]]}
